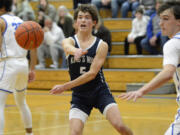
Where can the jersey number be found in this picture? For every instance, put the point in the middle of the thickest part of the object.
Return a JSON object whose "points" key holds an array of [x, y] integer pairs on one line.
{"points": [[82, 70], [15, 25]]}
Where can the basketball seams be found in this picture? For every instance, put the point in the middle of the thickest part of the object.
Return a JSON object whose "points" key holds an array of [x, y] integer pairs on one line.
{"points": [[34, 29], [29, 35]]}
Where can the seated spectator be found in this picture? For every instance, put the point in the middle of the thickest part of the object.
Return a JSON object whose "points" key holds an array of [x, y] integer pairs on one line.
{"points": [[103, 33], [23, 9], [78, 2], [129, 5], [114, 5], [138, 31], [154, 40], [65, 20], [53, 36], [47, 9], [148, 6], [41, 18]]}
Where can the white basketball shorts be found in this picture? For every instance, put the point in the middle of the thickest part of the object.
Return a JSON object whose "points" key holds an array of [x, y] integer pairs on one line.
{"points": [[13, 74]]}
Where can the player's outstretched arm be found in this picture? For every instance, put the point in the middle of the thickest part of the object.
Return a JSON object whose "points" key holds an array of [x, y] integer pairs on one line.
{"points": [[68, 46], [33, 62], [165, 75]]}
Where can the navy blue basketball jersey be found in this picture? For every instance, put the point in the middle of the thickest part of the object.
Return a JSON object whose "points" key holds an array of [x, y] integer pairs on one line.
{"points": [[77, 68]]}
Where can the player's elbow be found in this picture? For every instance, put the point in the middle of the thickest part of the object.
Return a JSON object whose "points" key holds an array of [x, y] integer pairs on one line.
{"points": [[169, 76], [92, 75]]}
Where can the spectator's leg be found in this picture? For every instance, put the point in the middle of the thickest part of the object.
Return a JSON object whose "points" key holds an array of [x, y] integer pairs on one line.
{"points": [[146, 46], [41, 53], [137, 41], [164, 39], [126, 47], [115, 4], [63, 65], [75, 4], [124, 9], [97, 3], [134, 5], [114, 8], [54, 52]]}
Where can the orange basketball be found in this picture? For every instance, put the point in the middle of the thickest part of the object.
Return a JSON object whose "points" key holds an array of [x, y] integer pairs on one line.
{"points": [[29, 35]]}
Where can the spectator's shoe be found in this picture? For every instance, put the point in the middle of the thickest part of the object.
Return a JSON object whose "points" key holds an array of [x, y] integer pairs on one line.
{"points": [[54, 66], [40, 66]]}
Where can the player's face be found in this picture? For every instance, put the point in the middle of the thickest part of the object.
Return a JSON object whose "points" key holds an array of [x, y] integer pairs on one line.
{"points": [[169, 25], [84, 21]]}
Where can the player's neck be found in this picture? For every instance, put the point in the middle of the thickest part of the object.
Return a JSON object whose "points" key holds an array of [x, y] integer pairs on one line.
{"points": [[84, 37], [3, 11], [175, 33]]}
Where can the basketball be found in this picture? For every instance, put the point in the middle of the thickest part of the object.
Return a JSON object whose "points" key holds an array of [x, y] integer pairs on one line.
{"points": [[29, 35]]}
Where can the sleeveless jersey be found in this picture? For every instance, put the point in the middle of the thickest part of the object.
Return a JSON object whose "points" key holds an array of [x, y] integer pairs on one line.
{"points": [[10, 48], [171, 51], [177, 74], [77, 68]]}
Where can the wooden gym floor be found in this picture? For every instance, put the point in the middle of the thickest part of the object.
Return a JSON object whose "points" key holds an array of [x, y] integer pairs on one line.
{"points": [[150, 115]]}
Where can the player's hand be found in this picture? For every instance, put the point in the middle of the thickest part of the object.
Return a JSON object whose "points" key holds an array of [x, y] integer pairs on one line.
{"points": [[79, 52], [131, 95], [57, 89], [153, 41], [31, 76]]}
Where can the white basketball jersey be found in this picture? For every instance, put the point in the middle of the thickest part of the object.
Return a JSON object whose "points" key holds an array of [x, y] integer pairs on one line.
{"points": [[10, 48], [172, 56], [177, 75]]}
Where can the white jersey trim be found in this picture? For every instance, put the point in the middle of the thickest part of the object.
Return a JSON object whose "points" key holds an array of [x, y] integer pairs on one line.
{"points": [[87, 47]]}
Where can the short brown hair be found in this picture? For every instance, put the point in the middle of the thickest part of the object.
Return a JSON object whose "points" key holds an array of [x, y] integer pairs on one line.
{"points": [[173, 6], [91, 9]]}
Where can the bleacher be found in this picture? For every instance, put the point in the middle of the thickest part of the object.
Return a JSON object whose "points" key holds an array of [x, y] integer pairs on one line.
{"points": [[120, 69]]}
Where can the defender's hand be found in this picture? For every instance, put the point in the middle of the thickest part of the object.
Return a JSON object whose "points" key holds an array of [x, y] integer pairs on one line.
{"points": [[134, 95]]}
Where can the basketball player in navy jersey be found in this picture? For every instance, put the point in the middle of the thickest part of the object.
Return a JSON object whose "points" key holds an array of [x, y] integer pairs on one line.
{"points": [[86, 55], [170, 26], [14, 74]]}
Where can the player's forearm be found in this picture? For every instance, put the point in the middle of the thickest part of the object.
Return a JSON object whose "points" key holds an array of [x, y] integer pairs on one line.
{"points": [[158, 81], [69, 49], [33, 57], [80, 80]]}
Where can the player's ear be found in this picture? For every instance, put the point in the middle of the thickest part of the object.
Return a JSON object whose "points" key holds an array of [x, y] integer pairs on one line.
{"points": [[178, 22], [94, 23]]}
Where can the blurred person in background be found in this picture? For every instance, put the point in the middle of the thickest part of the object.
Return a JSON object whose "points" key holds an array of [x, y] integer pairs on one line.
{"points": [[47, 9], [114, 5], [23, 9], [65, 20], [76, 3], [103, 33], [51, 46], [129, 5], [154, 40], [138, 31]]}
